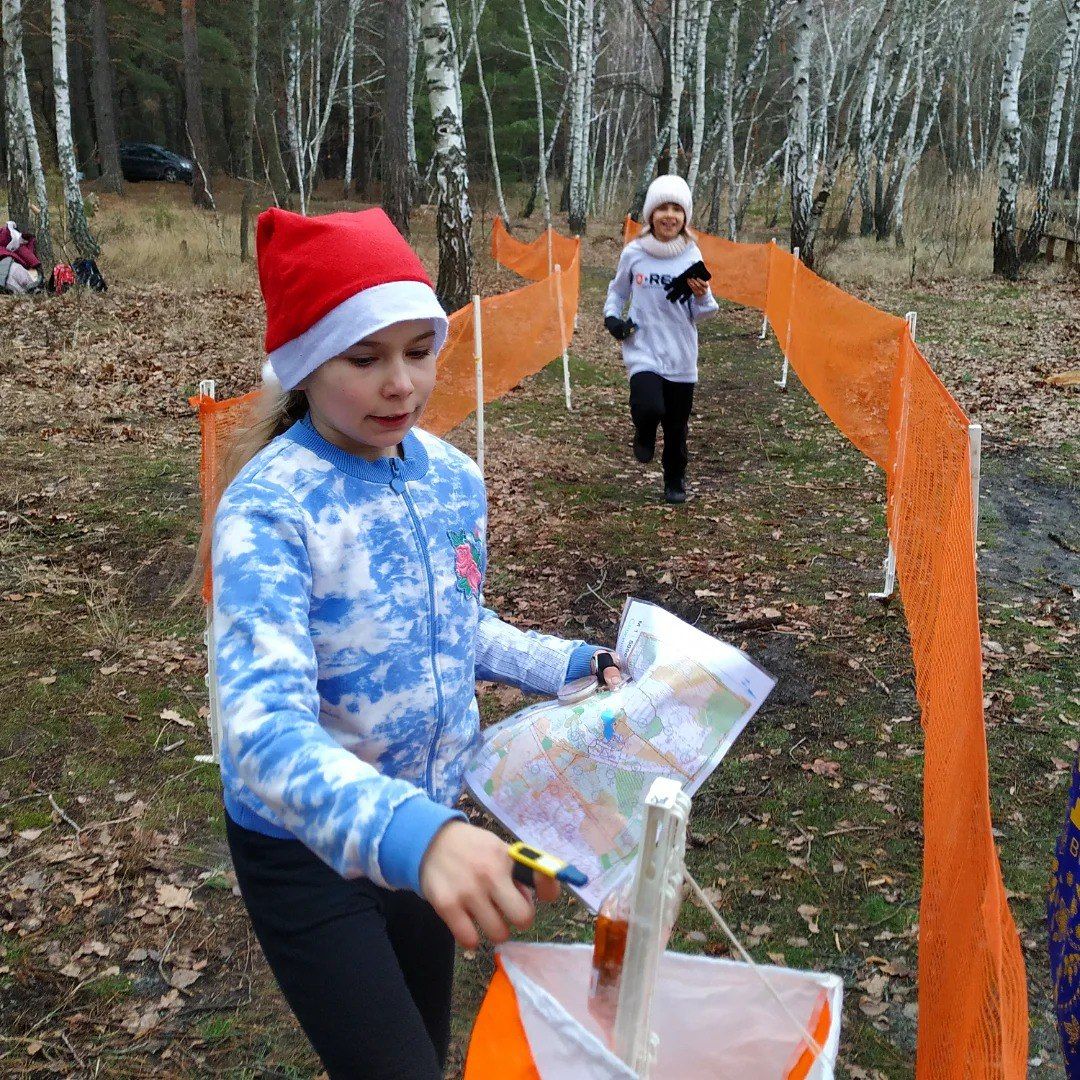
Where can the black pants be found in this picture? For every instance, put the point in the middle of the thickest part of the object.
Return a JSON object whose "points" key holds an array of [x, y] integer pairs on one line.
{"points": [[655, 400], [366, 970]]}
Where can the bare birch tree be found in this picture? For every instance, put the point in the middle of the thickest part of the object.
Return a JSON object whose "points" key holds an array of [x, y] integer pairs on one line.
{"points": [[541, 168], [1006, 258], [17, 162], [1041, 214], [493, 152], [583, 12], [697, 146], [85, 243], [454, 217], [799, 130], [677, 59], [27, 136]]}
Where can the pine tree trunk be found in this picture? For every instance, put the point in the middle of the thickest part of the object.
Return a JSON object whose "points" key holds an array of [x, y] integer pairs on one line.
{"points": [[247, 143], [454, 217], [397, 170], [1041, 214], [1006, 259], [112, 178], [81, 123], [17, 164], [85, 243], [270, 145], [196, 123], [801, 195]]}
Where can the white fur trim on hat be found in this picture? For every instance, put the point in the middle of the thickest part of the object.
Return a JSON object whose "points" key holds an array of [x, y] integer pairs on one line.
{"points": [[664, 189], [361, 315], [269, 378]]}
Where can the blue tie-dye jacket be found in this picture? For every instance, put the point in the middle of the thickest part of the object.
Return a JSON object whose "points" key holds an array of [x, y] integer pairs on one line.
{"points": [[350, 631]]}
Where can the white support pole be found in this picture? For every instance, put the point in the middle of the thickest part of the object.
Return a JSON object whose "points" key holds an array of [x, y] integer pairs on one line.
{"points": [[889, 563], [782, 381], [208, 388], [765, 314], [562, 338], [975, 464], [478, 357], [654, 905]]}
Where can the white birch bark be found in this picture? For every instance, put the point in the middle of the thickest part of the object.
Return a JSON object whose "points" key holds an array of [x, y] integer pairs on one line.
{"points": [[493, 153], [730, 182], [704, 17], [799, 129], [541, 170], [12, 16], [677, 78], [18, 183], [579, 118], [292, 100], [65, 149], [454, 217], [1041, 214], [350, 107], [414, 52], [1006, 260]]}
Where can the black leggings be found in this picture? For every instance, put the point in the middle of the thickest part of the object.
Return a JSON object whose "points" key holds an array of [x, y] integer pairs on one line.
{"points": [[366, 970], [655, 400]]}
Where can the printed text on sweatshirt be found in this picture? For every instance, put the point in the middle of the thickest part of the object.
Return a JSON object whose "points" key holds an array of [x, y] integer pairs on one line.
{"points": [[666, 338], [350, 631]]}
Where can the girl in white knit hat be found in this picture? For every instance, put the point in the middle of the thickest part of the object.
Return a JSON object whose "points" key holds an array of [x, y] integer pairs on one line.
{"points": [[659, 336]]}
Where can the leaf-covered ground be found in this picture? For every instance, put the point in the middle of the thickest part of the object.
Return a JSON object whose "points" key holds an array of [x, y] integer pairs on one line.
{"points": [[124, 951]]}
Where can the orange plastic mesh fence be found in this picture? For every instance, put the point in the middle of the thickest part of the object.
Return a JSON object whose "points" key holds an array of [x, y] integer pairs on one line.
{"points": [[538, 258], [973, 997], [843, 350], [862, 367], [519, 335], [217, 422]]}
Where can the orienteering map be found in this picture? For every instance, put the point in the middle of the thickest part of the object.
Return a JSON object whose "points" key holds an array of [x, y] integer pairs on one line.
{"points": [[572, 778]]}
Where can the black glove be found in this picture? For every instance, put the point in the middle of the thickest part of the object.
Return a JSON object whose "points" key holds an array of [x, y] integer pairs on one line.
{"points": [[619, 329], [679, 291]]}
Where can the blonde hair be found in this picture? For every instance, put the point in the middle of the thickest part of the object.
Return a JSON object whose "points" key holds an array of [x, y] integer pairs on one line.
{"points": [[271, 414]]}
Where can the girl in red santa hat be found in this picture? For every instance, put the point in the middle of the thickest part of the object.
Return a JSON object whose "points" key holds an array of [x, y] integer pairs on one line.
{"points": [[348, 559]]}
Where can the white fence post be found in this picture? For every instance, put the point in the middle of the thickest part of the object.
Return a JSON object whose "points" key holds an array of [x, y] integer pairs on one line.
{"points": [[975, 463], [782, 381], [654, 905], [562, 338], [889, 564], [765, 314], [478, 358], [208, 388]]}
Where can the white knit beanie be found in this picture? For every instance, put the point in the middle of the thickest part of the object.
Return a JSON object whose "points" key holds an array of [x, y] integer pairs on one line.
{"points": [[671, 188]]}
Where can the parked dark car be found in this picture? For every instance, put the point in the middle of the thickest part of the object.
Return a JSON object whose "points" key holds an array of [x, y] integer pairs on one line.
{"points": [[146, 161]]}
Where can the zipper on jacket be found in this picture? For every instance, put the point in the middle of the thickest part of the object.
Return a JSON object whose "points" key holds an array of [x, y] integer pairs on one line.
{"points": [[398, 485]]}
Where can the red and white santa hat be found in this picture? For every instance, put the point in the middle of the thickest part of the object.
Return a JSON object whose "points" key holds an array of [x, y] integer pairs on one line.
{"points": [[330, 281]]}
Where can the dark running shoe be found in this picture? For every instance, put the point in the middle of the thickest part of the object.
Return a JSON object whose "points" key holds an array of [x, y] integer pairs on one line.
{"points": [[642, 452], [675, 492]]}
